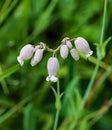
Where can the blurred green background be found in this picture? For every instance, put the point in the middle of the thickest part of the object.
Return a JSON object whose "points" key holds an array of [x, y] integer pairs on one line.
{"points": [[26, 99]]}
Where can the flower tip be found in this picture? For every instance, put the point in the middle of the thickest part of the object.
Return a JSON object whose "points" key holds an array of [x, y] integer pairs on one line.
{"points": [[52, 79], [47, 79], [21, 62], [89, 54], [32, 63]]}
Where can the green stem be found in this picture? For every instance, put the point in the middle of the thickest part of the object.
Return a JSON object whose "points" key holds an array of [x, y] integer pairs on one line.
{"points": [[103, 22], [58, 88], [56, 119], [98, 62], [90, 85], [58, 107]]}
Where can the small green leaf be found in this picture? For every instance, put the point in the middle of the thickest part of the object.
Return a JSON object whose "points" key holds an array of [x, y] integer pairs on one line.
{"points": [[54, 91], [103, 47]]}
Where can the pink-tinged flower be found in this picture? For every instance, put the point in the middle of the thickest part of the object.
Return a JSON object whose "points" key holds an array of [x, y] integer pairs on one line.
{"points": [[74, 54], [37, 57], [37, 47], [69, 44], [52, 67], [66, 41], [83, 46], [25, 53], [41, 45], [64, 51]]}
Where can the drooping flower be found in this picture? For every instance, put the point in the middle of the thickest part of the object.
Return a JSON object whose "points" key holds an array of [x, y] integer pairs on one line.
{"points": [[52, 67], [83, 46], [74, 54], [25, 53], [37, 57], [64, 51]]}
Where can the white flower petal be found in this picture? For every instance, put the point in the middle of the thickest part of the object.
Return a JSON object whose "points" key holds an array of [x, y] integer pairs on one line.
{"points": [[21, 62], [89, 54], [51, 79], [48, 78]]}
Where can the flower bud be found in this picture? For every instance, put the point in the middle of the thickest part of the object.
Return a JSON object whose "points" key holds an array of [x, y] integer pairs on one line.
{"points": [[37, 47], [64, 51], [64, 39], [67, 42], [52, 67], [25, 53], [37, 57], [83, 46], [74, 54], [41, 45]]}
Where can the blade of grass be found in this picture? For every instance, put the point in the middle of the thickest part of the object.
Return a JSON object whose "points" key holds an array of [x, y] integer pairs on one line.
{"points": [[6, 13], [29, 120], [9, 71], [6, 4], [3, 83]]}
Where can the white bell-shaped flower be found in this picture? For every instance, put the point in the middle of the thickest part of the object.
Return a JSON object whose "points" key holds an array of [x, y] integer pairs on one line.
{"points": [[64, 51], [25, 53], [83, 46], [74, 54], [52, 67], [37, 57]]}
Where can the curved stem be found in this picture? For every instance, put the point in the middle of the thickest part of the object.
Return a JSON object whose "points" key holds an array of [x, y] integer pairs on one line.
{"points": [[98, 62]]}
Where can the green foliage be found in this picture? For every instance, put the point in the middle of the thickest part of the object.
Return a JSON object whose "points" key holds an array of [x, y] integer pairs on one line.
{"points": [[26, 99]]}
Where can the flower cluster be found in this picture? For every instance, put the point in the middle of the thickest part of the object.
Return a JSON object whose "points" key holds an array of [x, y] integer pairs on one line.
{"points": [[35, 53], [28, 51], [81, 45]]}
